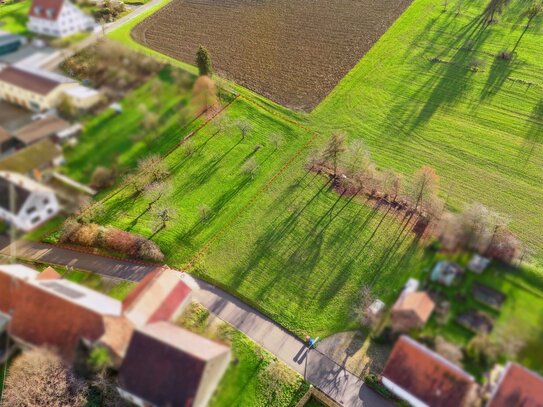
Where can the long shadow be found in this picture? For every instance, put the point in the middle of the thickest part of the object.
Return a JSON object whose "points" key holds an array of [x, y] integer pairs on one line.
{"points": [[533, 139], [499, 72], [445, 86]]}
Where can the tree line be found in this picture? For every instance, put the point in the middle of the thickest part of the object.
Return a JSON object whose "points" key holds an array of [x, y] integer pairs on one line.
{"points": [[476, 227]]}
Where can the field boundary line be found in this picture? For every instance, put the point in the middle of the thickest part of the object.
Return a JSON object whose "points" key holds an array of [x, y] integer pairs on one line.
{"points": [[205, 248]]}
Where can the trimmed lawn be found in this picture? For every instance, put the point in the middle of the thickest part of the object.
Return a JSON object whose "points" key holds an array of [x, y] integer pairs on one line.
{"points": [[482, 131], [13, 16]]}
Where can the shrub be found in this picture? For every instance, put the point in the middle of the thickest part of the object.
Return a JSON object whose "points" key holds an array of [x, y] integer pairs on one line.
{"points": [[85, 235], [373, 382], [102, 178], [150, 250], [121, 241]]}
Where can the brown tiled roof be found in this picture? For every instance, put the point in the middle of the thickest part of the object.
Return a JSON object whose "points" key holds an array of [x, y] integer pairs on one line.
{"points": [[518, 387], [49, 274], [35, 156], [157, 298], [40, 129], [41, 318], [39, 9], [426, 375], [118, 332], [28, 80], [164, 364], [418, 302]]}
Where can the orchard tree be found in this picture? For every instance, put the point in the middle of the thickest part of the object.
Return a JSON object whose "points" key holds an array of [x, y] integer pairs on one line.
{"points": [[203, 61], [424, 187], [244, 127], [535, 9], [163, 216], [333, 149], [155, 191], [391, 184]]}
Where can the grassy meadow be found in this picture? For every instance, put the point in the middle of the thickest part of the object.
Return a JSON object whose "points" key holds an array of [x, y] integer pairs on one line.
{"points": [[434, 91]]}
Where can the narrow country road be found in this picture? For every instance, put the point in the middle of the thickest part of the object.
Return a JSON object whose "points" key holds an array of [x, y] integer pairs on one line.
{"points": [[317, 368]]}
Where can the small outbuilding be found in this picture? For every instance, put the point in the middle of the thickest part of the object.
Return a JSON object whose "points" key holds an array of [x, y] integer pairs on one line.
{"points": [[412, 309], [446, 273], [478, 263]]}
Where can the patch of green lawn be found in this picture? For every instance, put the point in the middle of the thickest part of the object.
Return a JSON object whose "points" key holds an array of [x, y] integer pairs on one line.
{"points": [[246, 382], [243, 383], [118, 141], [13, 16], [482, 131]]}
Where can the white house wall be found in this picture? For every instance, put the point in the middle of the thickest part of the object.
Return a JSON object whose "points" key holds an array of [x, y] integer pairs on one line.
{"points": [[45, 206], [70, 21]]}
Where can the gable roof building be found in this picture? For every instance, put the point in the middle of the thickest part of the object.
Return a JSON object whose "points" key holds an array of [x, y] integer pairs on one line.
{"points": [[34, 159], [425, 379], [40, 129], [38, 89], [411, 310], [31, 204], [517, 387], [160, 296], [169, 366], [57, 18], [60, 314]]}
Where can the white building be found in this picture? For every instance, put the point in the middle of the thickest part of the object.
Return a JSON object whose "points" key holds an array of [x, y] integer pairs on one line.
{"points": [[31, 205], [38, 90], [57, 18]]}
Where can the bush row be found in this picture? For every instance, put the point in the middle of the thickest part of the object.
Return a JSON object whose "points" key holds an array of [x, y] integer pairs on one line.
{"points": [[109, 238]]}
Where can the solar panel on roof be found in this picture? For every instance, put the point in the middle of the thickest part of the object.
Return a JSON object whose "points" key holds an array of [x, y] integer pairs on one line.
{"points": [[64, 290]]}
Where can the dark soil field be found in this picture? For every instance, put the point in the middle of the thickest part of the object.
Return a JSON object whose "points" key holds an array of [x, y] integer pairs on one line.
{"points": [[293, 52]]}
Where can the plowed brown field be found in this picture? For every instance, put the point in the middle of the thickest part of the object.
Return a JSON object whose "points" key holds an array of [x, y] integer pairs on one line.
{"points": [[292, 51]]}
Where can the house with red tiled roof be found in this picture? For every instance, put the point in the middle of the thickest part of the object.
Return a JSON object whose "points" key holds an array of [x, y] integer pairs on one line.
{"points": [[160, 296], [517, 387], [60, 314], [423, 378], [412, 309], [57, 18], [166, 365]]}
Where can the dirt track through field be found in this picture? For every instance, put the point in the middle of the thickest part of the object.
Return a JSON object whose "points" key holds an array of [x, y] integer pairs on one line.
{"points": [[293, 52]]}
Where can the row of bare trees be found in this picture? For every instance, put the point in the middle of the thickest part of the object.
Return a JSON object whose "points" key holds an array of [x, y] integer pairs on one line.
{"points": [[476, 227]]}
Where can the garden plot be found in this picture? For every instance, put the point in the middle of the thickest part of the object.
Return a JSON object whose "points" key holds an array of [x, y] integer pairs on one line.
{"points": [[293, 52]]}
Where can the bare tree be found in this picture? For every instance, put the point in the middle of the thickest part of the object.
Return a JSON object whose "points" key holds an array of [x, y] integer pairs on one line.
{"points": [[155, 191], [534, 10], [204, 211], [164, 215], [361, 310], [249, 167], [244, 127], [356, 159], [391, 184], [333, 149], [424, 187], [276, 140], [152, 169], [39, 377]]}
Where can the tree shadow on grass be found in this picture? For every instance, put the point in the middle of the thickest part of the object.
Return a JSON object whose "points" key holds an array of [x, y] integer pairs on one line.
{"points": [[447, 85], [533, 139], [499, 72]]}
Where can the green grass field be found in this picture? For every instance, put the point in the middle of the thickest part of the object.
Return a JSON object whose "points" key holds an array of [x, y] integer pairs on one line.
{"points": [[13, 16], [482, 131], [296, 250]]}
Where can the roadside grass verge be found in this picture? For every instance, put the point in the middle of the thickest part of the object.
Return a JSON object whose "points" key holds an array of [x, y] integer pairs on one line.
{"points": [[249, 380]]}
